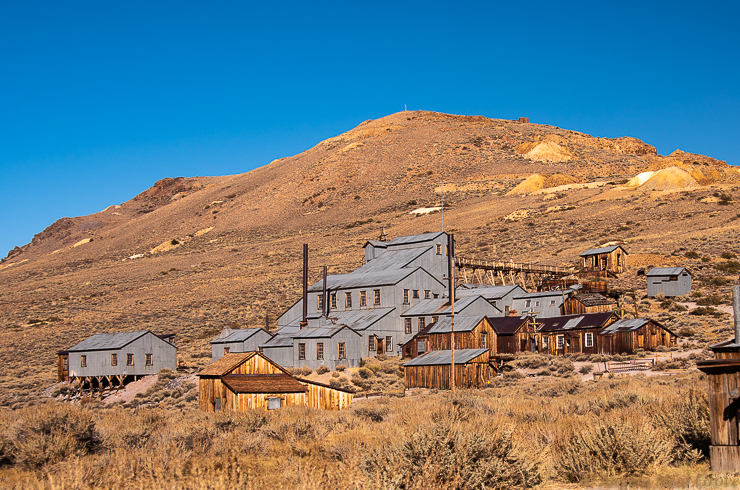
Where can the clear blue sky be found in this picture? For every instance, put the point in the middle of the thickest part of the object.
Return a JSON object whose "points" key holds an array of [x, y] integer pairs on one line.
{"points": [[98, 100]]}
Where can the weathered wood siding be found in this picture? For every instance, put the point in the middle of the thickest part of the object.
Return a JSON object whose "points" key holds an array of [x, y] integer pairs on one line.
{"points": [[470, 375], [325, 397], [241, 402], [465, 340], [63, 367], [572, 306], [613, 261], [647, 337]]}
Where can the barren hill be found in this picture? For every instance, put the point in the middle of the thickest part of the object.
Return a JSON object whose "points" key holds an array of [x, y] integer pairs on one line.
{"points": [[191, 255]]}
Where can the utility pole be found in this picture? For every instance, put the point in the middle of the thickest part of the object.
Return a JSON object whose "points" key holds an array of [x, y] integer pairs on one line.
{"points": [[451, 262], [442, 193]]}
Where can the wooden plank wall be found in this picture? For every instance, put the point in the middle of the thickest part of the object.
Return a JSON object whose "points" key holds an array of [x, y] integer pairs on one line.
{"points": [[723, 425], [471, 375], [326, 398], [465, 340], [242, 402]]}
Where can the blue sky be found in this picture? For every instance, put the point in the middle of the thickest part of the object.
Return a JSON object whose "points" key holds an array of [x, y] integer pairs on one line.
{"points": [[98, 100]]}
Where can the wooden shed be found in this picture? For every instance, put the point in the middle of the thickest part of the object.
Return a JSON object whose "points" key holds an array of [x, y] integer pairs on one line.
{"points": [[723, 373], [433, 369], [249, 380], [581, 303], [513, 334], [603, 261], [575, 334], [626, 336]]}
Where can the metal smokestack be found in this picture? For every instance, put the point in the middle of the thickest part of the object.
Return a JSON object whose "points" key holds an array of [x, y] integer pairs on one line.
{"points": [[304, 322]]}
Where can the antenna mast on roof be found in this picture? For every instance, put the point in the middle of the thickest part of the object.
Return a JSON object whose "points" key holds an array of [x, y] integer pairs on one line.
{"points": [[383, 235]]}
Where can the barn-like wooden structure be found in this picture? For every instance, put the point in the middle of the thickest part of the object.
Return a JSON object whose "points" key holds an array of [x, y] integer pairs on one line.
{"points": [[625, 336], [434, 369], [581, 303], [600, 262], [249, 380]]}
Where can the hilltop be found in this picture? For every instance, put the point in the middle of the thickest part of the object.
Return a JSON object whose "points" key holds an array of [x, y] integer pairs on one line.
{"points": [[191, 255]]}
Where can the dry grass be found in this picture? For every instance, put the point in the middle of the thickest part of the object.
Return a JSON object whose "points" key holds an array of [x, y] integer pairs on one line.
{"points": [[513, 435]]}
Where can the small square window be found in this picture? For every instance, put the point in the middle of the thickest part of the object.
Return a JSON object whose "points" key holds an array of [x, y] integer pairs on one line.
{"points": [[528, 303], [435, 295], [227, 350], [435, 319], [83, 360], [416, 294], [552, 302], [114, 359], [129, 359], [320, 351], [301, 352], [389, 344], [274, 403], [427, 294], [148, 361]]}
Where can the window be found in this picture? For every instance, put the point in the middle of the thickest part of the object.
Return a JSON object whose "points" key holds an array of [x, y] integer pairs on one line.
{"points": [[83, 360], [435, 319], [536, 303], [405, 296], [560, 341], [589, 340], [435, 295], [389, 344], [320, 351], [227, 350], [148, 360], [545, 342], [363, 298], [422, 322], [333, 301], [320, 302], [427, 294], [301, 352], [484, 340], [506, 311], [376, 299], [371, 343], [416, 294], [439, 249], [65, 362], [217, 405], [493, 303], [347, 301], [129, 359], [114, 359], [552, 302], [407, 325], [342, 351], [528, 303], [421, 346], [274, 403]]}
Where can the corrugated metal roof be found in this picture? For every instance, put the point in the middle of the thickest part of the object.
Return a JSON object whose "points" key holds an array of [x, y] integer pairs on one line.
{"points": [[506, 324], [360, 319], [376, 243], [488, 292], [594, 299], [586, 320], [602, 250], [666, 271], [440, 306], [545, 294], [238, 335], [320, 332], [462, 324], [360, 280], [440, 357], [279, 341], [393, 259], [405, 240], [108, 341], [624, 325]]}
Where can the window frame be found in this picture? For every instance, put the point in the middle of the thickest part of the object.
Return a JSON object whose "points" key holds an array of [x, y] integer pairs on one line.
{"points": [[439, 249], [376, 297], [319, 351], [484, 340], [114, 359], [435, 319], [389, 343], [406, 296], [421, 323], [83, 360], [407, 325], [227, 350], [148, 360], [560, 342], [333, 301], [427, 294], [415, 294], [301, 351], [348, 300], [320, 302], [341, 350], [130, 361], [588, 339], [363, 298], [372, 345]]}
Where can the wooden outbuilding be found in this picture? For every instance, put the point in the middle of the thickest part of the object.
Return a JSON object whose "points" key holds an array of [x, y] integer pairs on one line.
{"points": [[600, 262], [671, 281], [434, 369], [249, 380], [581, 303], [513, 334], [624, 336], [575, 334]]}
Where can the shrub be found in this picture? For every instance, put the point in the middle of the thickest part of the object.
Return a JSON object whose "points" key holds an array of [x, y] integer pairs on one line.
{"points": [[586, 368], [532, 361], [322, 369], [365, 373], [374, 413], [304, 371], [335, 374], [728, 255], [704, 311], [691, 254], [711, 300], [729, 267], [374, 367], [341, 367]]}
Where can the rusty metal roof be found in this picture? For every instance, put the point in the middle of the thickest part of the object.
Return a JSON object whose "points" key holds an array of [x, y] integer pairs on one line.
{"points": [[594, 299], [569, 322], [441, 357], [506, 324], [263, 383]]}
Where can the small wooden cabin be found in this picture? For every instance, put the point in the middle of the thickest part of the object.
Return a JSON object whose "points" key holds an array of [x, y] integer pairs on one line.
{"points": [[671, 281], [607, 260], [512, 334], [575, 334], [433, 369], [581, 303], [249, 380], [626, 336]]}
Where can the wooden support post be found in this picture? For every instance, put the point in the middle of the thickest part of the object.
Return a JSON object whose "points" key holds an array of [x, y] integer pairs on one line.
{"points": [[503, 281], [493, 278]]}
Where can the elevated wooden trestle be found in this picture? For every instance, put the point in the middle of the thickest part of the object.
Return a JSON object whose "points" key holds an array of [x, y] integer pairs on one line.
{"points": [[487, 271]]}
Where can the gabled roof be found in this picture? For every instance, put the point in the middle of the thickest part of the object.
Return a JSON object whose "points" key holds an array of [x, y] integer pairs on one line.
{"points": [[462, 324], [278, 341], [231, 361], [441, 306], [666, 271], [109, 341], [405, 240], [393, 259], [321, 332], [570, 322], [594, 299], [603, 250], [360, 319], [263, 383], [545, 294], [628, 325], [507, 325], [488, 292], [367, 279], [239, 335], [441, 357]]}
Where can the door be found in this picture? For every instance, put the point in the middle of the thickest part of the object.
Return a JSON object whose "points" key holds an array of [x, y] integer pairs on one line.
{"points": [[381, 346], [568, 348], [523, 347], [640, 341]]}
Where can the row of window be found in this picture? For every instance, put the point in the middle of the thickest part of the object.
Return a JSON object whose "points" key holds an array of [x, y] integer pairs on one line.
{"points": [[421, 322], [528, 303], [347, 300], [408, 294], [588, 341], [341, 351], [148, 361]]}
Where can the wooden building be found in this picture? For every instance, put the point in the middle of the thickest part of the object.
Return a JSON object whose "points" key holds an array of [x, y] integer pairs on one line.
{"points": [[671, 281], [574, 334], [112, 359], [723, 373], [249, 380], [513, 335], [626, 336], [434, 369], [603, 261], [581, 303]]}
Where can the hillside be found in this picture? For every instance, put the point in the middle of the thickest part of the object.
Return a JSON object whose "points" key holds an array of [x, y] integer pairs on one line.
{"points": [[191, 255]]}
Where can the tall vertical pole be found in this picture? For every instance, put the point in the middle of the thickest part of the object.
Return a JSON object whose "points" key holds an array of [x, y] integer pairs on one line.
{"points": [[325, 308], [451, 272], [305, 285], [442, 193]]}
